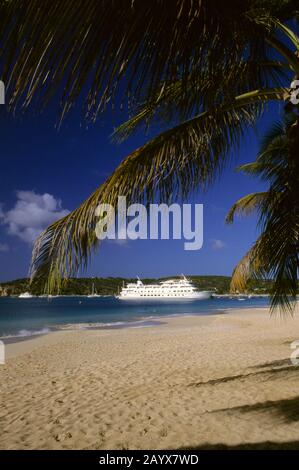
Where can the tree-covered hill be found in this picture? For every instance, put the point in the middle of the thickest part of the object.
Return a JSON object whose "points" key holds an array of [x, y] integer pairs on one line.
{"points": [[111, 285]]}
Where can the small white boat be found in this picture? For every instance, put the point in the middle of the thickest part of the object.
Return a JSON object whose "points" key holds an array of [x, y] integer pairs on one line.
{"points": [[25, 295]]}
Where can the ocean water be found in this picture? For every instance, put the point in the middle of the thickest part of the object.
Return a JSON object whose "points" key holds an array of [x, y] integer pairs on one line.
{"points": [[22, 318]]}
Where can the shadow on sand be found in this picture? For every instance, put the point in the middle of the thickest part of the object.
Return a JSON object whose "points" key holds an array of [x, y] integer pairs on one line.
{"points": [[269, 370], [285, 410], [267, 445]]}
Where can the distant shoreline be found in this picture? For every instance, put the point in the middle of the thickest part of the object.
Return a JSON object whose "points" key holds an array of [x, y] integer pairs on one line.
{"points": [[112, 285], [106, 295]]}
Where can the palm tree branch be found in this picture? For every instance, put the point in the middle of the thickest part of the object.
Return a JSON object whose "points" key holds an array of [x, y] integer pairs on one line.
{"points": [[289, 33], [124, 130], [207, 89], [45, 45], [168, 167], [245, 269], [285, 52], [246, 205], [280, 269]]}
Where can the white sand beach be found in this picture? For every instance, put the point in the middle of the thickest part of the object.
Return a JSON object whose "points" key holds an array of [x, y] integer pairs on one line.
{"points": [[192, 382]]}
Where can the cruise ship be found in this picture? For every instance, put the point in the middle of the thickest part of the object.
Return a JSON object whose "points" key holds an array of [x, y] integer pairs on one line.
{"points": [[173, 289]]}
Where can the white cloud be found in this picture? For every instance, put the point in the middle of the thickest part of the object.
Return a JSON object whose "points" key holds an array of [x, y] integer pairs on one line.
{"points": [[4, 247], [31, 214], [217, 244]]}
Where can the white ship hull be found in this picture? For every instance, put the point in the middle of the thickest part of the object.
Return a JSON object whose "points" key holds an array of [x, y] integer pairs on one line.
{"points": [[197, 296], [171, 290]]}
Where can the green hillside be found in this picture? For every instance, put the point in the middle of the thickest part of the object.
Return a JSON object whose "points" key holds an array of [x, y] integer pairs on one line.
{"points": [[111, 285]]}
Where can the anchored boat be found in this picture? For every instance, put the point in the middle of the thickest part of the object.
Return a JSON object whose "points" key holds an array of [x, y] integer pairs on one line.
{"points": [[173, 289]]}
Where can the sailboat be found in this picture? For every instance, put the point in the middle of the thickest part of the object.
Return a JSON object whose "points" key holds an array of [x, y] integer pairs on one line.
{"points": [[93, 293]]}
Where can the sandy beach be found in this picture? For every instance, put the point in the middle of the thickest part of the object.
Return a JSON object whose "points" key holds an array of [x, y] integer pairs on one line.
{"points": [[190, 382]]}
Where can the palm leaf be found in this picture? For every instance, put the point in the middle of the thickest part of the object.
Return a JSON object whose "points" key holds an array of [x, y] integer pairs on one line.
{"points": [[177, 101], [249, 267], [273, 257], [246, 205], [275, 254], [78, 48], [168, 167]]}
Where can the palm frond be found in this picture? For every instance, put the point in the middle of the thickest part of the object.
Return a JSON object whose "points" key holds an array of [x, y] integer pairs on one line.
{"points": [[167, 168], [249, 266], [276, 131], [289, 33], [170, 166], [246, 205], [275, 254], [273, 150], [85, 49], [275, 260], [269, 160], [66, 245], [177, 101]]}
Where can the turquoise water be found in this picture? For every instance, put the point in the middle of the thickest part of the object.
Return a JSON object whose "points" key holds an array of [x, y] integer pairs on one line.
{"points": [[26, 317]]}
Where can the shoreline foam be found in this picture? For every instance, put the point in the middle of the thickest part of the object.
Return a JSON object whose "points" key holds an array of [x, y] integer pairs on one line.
{"points": [[143, 322]]}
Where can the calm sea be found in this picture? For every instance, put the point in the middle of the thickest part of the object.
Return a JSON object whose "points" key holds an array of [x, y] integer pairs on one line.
{"points": [[22, 318]]}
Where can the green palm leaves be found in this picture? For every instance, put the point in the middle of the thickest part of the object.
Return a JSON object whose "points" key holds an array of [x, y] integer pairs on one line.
{"points": [[275, 254], [92, 48], [187, 156]]}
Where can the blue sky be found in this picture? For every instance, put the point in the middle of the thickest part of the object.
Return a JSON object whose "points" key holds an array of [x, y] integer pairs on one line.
{"points": [[56, 170]]}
